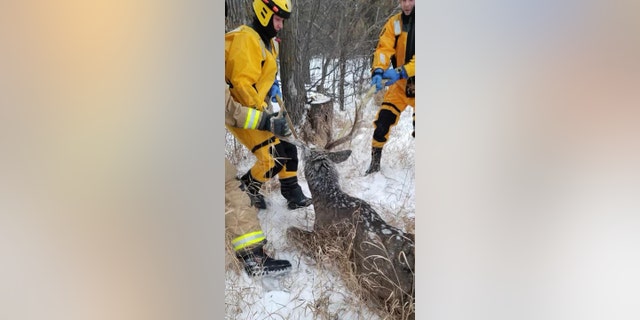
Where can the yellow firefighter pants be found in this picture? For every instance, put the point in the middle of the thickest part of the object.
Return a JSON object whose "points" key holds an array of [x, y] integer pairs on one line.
{"points": [[394, 102], [263, 144]]}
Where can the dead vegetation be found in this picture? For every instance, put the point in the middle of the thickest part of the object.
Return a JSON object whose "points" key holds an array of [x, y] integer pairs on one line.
{"points": [[379, 256], [333, 249]]}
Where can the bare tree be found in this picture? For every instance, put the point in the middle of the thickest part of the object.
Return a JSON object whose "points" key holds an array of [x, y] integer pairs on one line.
{"points": [[239, 12], [292, 70], [342, 35]]}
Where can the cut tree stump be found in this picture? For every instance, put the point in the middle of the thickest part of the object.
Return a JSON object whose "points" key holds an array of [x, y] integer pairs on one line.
{"points": [[319, 118]]}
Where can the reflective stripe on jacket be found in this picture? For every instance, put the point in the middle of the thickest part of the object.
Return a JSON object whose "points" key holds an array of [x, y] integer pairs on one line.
{"points": [[236, 115]]}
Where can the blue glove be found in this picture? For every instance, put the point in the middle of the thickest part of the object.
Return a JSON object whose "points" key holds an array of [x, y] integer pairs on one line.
{"points": [[376, 79], [275, 91], [393, 75]]}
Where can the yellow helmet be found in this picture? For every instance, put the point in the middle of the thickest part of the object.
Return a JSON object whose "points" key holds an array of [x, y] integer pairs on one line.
{"points": [[264, 9]]}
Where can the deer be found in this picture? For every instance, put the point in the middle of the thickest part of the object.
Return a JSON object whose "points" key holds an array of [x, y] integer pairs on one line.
{"points": [[381, 256]]}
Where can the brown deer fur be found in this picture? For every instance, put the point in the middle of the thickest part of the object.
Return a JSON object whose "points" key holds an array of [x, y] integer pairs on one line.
{"points": [[381, 255]]}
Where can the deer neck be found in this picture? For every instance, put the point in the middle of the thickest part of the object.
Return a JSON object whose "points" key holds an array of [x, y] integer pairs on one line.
{"points": [[323, 188]]}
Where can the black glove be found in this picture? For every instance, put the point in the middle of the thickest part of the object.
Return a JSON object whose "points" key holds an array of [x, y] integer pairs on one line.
{"points": [[277, 125]]}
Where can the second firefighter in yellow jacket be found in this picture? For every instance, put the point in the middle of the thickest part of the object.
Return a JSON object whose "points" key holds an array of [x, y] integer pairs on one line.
{"points": [[240, 217], [396, 48], [250, 72]]}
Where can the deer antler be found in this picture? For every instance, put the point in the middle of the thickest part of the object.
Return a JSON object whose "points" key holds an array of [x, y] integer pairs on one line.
{"points": [[356, 120]]}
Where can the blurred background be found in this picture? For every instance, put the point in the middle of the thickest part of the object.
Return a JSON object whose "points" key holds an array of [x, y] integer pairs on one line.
{"points": [[109, 206], [529, 190]]}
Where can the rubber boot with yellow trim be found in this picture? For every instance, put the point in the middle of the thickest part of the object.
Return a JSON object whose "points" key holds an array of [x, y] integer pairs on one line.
{"points": [[258, 263]]}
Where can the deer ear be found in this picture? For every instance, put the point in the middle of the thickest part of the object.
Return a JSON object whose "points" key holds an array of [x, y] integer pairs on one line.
{"points": [[339, 156]]}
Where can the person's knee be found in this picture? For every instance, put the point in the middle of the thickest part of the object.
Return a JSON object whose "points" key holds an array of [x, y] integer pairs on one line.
{"points": [[278, 159], [290, 149], [287, 155], [264, 165], [383, 123], [291, 165], [386, 118]]}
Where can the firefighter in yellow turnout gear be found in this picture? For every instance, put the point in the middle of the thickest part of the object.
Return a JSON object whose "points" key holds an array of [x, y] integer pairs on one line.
{"points": [[241, 218], [396, 48], [250, 72]]}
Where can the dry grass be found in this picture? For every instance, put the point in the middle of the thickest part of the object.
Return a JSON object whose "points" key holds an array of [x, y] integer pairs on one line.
{"points": [[234, 150], [332, 249]]}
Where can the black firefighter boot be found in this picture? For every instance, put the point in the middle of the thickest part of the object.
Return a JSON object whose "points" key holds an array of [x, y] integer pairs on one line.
{"points": [[292, 191], [257, 263], [376, 154], [252, 188]]}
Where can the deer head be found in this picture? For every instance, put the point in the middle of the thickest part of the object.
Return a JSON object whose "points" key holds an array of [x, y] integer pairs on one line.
{"points": [[320, 170]]}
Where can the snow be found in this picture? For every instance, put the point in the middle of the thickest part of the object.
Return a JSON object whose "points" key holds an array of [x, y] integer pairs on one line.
{"points": [[317, 98], [309, 286]]}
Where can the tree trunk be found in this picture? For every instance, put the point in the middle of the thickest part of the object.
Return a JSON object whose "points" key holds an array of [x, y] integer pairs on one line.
{"points": [[291, 74], [343, 74], [319, 123], [341, 64], [239, 12], [306, 68]]}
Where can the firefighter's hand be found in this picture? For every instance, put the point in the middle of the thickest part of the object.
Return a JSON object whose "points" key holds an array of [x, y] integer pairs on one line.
{"points": [[275, 91], [376, 79], [274, 123], [393, 75], [279, 125]]}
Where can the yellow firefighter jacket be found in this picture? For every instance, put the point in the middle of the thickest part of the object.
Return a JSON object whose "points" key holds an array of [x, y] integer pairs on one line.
{"points": [[250, 66], [387, 47]]}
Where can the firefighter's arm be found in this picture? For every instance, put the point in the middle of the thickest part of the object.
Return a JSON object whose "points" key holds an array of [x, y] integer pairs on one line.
{"points": [[403, 72], [385, 48], [243, 65], [237, 115], [410, 67]]}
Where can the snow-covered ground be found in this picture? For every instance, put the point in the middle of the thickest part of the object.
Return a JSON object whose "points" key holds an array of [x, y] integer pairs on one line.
{"points": [[310, 290]]}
